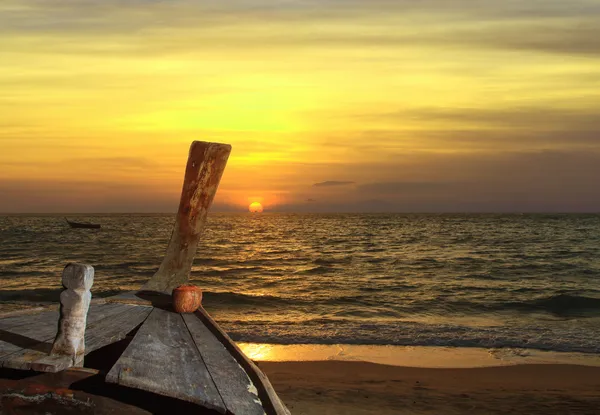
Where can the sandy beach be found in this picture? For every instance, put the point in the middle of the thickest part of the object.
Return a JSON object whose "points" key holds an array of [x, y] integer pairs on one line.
{"points": [[360, 388]]}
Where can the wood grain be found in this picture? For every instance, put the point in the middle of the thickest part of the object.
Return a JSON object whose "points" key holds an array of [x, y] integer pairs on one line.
{"points": [[42, 327], [162, 358], [8, 322], [271, 402], [235, 387], [110, 330], [19, 312], [31, 342], [205, 166]]}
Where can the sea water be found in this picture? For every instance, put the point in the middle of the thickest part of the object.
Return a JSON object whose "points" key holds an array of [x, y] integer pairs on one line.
{"points": [[487, 281]]}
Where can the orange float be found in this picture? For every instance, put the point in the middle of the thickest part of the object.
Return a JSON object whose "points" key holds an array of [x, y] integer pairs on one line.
{"points": [[186, 298]]}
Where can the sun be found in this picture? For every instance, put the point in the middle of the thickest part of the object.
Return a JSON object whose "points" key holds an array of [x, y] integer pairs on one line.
{"points": [[255, 207]]}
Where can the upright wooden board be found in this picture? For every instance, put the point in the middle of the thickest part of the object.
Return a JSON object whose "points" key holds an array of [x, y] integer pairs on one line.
{"points": [[235, 387], [162, 358], [205, 166]]}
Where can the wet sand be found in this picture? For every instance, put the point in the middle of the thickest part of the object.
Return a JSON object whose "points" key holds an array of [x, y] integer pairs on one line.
{"points": [[360, 388]]}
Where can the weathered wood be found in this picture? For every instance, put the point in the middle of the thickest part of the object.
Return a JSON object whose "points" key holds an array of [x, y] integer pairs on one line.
{"points": [[52, 363], [162, 358], [32, 342], [116, 328], [127, 297], [205, 166], [29, 335], [8, 323], [19, 312], [74, 305], [147, 298], [42, 327], [271, 402], [235, 387]]}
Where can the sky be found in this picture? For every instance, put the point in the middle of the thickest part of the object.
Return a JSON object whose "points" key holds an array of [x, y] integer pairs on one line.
{"points": [[330, 105]]}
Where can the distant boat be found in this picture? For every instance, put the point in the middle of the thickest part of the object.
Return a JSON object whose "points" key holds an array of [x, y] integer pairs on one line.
{"points": [[82, 225]]}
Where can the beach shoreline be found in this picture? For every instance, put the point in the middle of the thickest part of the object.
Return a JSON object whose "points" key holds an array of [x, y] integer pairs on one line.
{"points": [[361, 379], [414, 356], [360, 388]]}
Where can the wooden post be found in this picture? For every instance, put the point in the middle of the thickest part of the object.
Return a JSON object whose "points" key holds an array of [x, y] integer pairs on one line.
{"points": [[205, 166], [74, 304]]}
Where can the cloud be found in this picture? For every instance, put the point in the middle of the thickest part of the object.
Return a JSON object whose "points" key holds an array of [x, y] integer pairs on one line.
{"points": [[443, 103], [514, 117], [412, 130], [536, 181], [333, 183], [64, 196], [529, 181], [395, 188], [111, 163], [158, 28]]}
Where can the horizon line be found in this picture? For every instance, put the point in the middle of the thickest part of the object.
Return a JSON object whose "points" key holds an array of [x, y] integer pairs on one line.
{"points": [[311, 212]]}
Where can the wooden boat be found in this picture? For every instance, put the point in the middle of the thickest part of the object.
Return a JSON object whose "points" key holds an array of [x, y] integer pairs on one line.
{"points": [[140, 355], [83, 225]]}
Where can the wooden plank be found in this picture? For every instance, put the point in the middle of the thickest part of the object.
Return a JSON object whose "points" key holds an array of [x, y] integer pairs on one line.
{"points": [[28, 332], [128, 297], [99, 334], [116, 328], [42, 328], [18, 312], [27, 336], [7, 323], [205, 166], [35, 337], [147, 298], [31, 351], [99, 312], [271, 402], [52, 363], [235, 387], [162, 358]]}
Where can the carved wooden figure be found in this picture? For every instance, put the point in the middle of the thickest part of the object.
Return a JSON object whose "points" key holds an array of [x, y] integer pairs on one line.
{"points": [[74, 304]]}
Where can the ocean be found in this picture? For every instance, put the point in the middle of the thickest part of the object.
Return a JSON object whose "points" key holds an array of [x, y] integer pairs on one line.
{"points": [[464, 280]]}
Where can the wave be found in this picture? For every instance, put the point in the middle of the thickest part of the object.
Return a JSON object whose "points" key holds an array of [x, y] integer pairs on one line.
{"points": [[560, 305], [228, 299], [511, 270], [564, 337], [321, 269], [231, 299]]}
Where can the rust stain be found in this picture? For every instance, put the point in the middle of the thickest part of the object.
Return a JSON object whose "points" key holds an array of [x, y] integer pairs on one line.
{"points": [[204, 169]]}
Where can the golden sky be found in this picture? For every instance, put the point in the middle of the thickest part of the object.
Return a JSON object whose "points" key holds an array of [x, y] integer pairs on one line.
{"points": [[433, 105]]}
